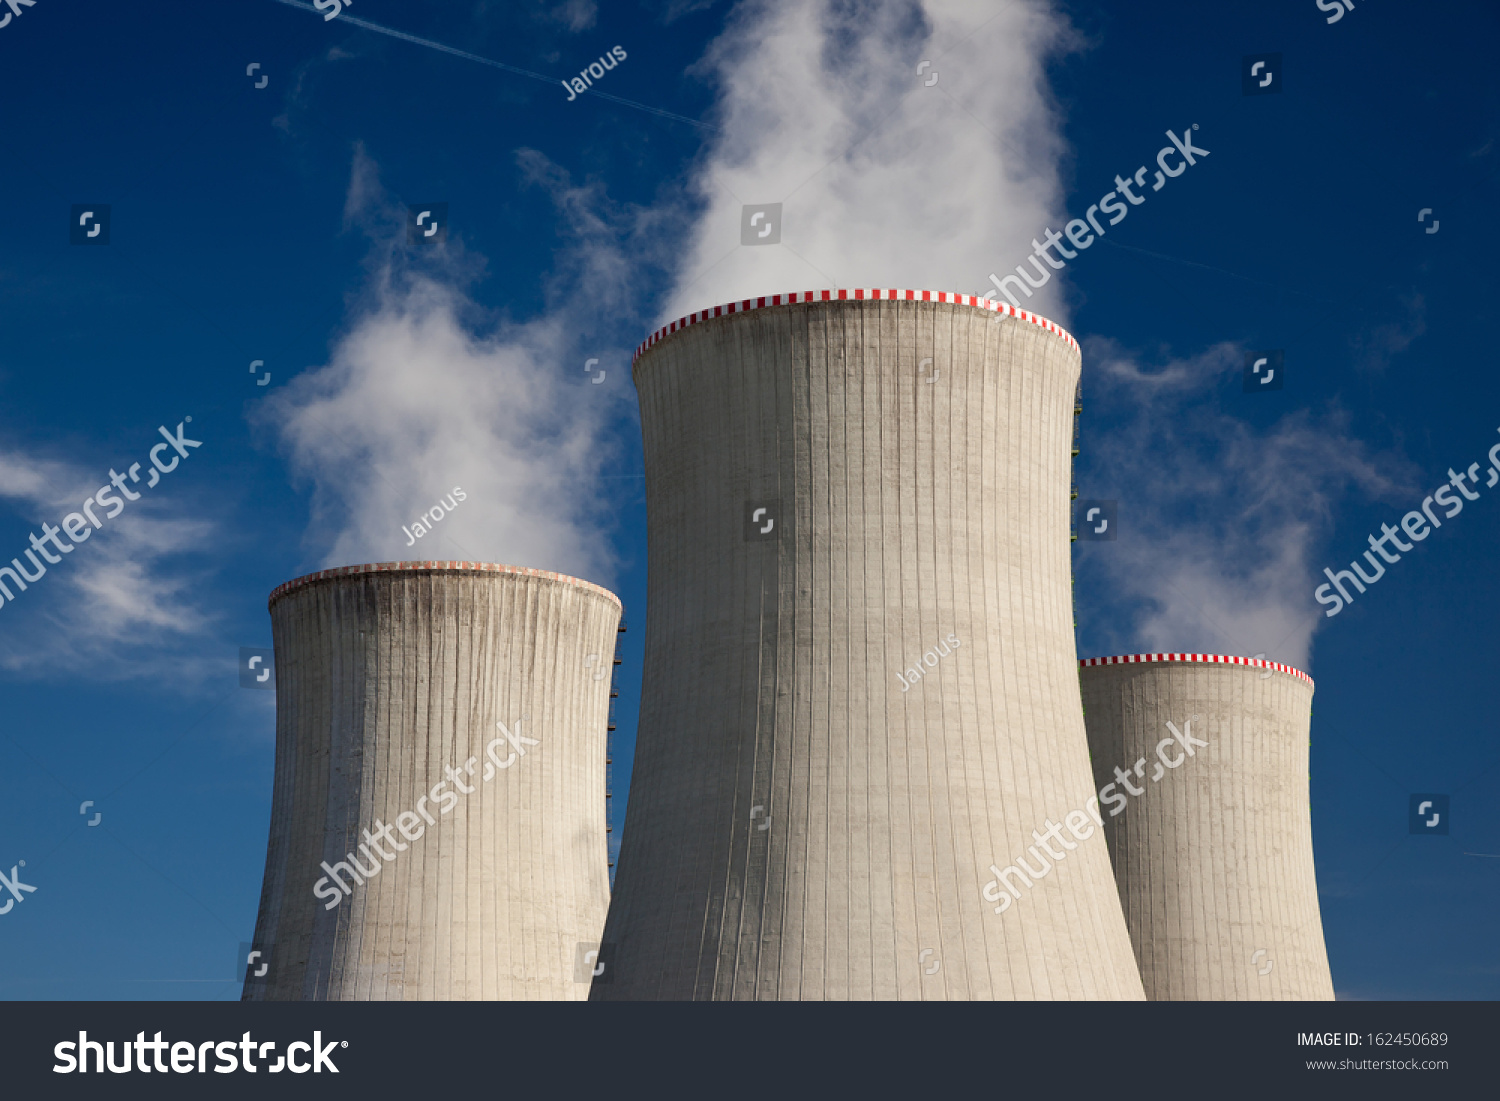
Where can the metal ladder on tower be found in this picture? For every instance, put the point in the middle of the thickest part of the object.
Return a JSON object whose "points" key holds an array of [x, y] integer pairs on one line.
{"points": [[1073, 494], [609, 743]]}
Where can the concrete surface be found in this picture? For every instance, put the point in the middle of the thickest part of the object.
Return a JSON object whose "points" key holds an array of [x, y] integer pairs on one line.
{"points": [[386, 676], [799, 826], [1214, 861]]}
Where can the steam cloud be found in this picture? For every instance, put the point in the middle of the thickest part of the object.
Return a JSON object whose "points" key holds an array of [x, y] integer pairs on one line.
{"points": [[418, 398], [885, 180]]}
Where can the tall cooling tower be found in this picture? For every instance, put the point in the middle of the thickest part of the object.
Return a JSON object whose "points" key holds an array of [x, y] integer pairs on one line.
{"points": [[860, 683], [1213, 857], [437, 825]]}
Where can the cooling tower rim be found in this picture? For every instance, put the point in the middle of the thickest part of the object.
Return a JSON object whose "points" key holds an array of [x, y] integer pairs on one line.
{"points": [[855, 295], [1221, 659], [428, 567]]}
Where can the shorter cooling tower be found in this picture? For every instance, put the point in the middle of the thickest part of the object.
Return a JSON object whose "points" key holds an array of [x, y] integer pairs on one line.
{"points": [[437, 823], [1201, 763]]}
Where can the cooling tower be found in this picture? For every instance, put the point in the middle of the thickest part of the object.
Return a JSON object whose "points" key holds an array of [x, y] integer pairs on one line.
{"points": [[1213, 857], [437, 825], [860, 685]]}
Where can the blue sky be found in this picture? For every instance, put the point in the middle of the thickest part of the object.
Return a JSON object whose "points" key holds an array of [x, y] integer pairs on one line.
{"points": [[270, 224]]}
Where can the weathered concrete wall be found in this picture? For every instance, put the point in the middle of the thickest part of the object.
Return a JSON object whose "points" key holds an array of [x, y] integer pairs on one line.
{"points": [[909, 511], [1214, 860], [387, 677]]}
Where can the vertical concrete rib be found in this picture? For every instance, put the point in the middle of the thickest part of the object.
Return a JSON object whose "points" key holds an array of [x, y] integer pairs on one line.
{"points": [[391, 680], [909, 511], [1214, 860]]}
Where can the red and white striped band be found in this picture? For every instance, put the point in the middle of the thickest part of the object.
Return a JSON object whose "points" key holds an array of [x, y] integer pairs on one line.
{"points": [[1127, 659], [395, 567], [854, 295]]}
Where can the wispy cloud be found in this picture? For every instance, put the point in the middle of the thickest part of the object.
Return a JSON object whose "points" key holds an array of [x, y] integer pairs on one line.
{"points": [[1376, 346], [1218, 520], [120, 600], [576, 15], [296, 108], [669, 11]]}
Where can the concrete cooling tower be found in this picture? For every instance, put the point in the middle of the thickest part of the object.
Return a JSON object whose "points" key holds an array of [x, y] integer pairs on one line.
{"points": [[861, 684], [1202, 766], [437, 824]]}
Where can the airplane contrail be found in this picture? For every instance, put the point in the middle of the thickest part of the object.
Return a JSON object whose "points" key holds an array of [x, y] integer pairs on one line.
{"points": [[377, 28], [1492, 856]]}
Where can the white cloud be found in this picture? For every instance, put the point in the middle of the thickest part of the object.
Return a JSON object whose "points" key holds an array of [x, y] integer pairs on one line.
{"points": [[1218, 520], [884, 181]]}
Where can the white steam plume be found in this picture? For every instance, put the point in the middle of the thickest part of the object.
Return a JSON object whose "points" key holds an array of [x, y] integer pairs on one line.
{"points": [[423, 395], [886, 180]]}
